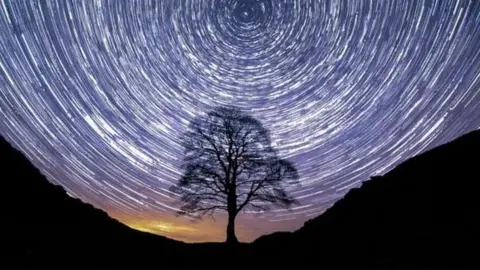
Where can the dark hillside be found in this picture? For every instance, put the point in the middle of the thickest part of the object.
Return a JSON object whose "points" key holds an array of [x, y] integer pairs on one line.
{"points": [[41, 224], [422, 213]]}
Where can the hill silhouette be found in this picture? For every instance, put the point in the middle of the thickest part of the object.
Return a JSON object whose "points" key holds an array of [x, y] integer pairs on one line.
{"points": [[42, 225], [420, 214]]}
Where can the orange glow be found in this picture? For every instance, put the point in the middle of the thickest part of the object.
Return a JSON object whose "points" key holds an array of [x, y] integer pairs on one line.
{"points": [[206, 230]]}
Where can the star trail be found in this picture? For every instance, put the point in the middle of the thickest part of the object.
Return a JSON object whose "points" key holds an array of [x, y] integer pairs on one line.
{"points": [[97, 94]]}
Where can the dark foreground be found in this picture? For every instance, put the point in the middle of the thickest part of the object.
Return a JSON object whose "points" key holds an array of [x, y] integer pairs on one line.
{"points": [[420, 215]]}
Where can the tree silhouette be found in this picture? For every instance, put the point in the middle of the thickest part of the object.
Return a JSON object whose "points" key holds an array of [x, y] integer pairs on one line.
{"points": [[230, 165]]}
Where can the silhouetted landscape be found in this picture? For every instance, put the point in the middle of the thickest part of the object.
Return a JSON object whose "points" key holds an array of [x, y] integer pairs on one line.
{"points": [[239, 134], [420, 215]]}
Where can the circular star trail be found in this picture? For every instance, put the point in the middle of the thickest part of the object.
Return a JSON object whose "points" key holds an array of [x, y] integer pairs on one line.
{"points": [[98, 93]]}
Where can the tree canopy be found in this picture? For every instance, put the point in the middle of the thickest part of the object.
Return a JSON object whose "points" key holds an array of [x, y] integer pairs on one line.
{"points": [[230, 165]]}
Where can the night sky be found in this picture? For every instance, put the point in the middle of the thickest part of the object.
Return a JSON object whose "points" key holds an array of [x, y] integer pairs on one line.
{"points": [[97, 94]]}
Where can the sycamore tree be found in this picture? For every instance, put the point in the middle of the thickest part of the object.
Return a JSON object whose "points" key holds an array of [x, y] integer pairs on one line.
{"points": [[230, 165]]}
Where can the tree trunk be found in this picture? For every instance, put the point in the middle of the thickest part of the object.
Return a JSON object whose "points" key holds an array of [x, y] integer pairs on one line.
{"points": [[231, 237], [232, 214]]}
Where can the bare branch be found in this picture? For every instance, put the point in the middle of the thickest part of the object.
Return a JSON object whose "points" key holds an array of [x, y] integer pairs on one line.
{"points": [[231, 166]]}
